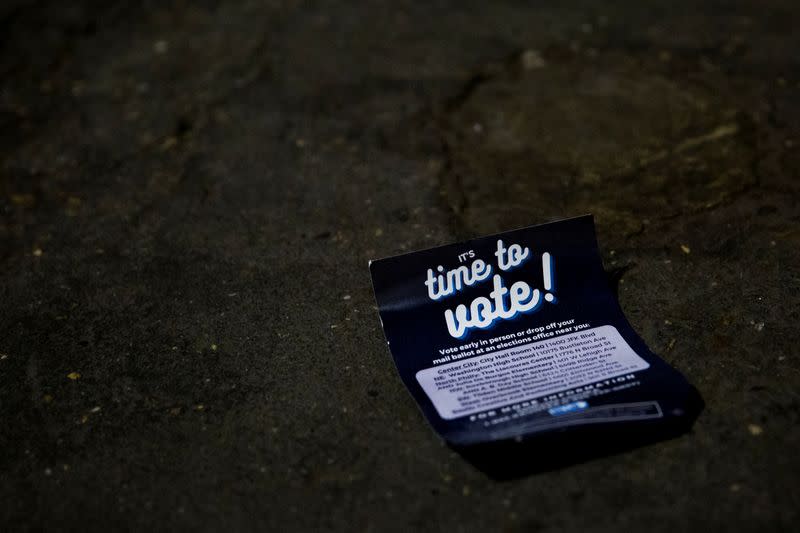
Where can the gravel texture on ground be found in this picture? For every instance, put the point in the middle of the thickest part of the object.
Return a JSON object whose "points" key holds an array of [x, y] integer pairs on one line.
{"points": [[190, 193]]}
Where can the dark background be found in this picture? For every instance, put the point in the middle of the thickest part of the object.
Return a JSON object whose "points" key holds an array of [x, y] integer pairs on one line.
{"points": [[190, 193]]}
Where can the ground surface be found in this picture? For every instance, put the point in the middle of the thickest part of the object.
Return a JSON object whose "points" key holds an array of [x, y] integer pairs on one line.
{"points": [[190, 193]]}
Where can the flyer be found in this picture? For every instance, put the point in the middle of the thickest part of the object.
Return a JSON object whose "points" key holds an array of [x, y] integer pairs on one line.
{"points": [[518, 335]]}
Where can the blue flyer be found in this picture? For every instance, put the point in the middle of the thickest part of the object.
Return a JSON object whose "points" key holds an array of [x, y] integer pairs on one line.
{"points": [[518, 335]]}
